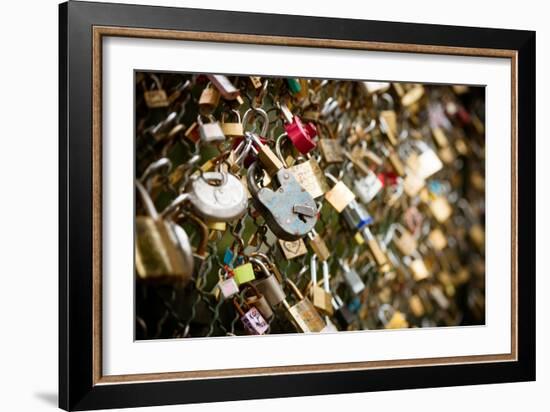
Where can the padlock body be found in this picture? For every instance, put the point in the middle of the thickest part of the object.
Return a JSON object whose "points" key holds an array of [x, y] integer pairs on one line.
{"points": [[160, 254], [211, 133], [254, 322], [306, 318], [271, 289], [244, 273]]}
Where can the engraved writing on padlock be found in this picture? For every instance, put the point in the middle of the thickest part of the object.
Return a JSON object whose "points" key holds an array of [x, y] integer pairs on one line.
{"points": [[289, 211], [293, 249], [311, 177], [163, 251], [218, 196], [253, 321], [303, 314], [210, 132]]}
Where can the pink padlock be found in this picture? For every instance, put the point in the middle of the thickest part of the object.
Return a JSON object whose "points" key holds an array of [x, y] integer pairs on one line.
{"points": [[252, 320], [301, 135]]}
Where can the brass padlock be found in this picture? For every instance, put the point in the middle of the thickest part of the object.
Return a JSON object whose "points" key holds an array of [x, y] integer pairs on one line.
{"points": [[292, 249], [156, 98], [233, 129], [303, 314], [163, 250], [374, 247], [209, 99], [320, 296], [331, 150], [339, 196], [318, 245], [404, 240]]}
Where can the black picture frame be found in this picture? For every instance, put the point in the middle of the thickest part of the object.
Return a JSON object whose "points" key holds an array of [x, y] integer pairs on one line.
{"points": [[77, 390]]}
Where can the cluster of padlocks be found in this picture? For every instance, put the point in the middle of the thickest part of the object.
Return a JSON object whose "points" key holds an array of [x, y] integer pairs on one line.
{"points": [[283, 205]]}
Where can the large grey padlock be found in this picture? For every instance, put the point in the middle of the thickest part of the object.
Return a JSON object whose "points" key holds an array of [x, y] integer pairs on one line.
{"points": [[210, 132], [218, 196], [288, 209], [269, 285]]}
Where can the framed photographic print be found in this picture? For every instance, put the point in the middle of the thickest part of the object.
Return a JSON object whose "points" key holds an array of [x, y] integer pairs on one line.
{"points": [[257, 205]]}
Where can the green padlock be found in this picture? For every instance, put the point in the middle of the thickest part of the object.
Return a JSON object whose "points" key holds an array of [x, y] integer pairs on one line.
{"points": [[244, 273], [294, 85]]}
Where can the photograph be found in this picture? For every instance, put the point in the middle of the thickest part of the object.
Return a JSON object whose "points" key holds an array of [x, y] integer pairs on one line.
{"points": [[282, 205]]}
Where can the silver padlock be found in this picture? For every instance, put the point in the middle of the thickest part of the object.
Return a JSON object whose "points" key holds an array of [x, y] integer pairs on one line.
{"points": [[352, 278], [356, 216], [210, 132], [214, 196], [218, 196], [269, 285], [367, 187]]}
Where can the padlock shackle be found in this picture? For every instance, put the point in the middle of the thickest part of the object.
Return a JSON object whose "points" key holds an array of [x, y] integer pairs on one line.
{"points": [[251, 178], [238, 306], [313, 268], [147, 201], [261, 265], [203, 244], [294, 289], [174, 205], [263, 115], [163, 164], [278, 150]]}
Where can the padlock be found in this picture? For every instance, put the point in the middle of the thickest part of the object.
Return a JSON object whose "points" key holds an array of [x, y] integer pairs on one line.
{"points": [[257, 300], [292, 249], [224, 86], [413, 184], [375, 87], [352, 278], [320, 296], [289, 211], [256, 81], [163, 251], [437, 239], [423, 161], [416, 306], [200, 251], [217, 196], [209, 100], [244, 273], [395, 320], [339, 196], [303, 314], [342, 313], [210, 132], [301, 135], [318, 245], [404, 240], [228, 287], [233, 129], [293, 85], [413, 95], [376, 251], [310, 176], [356, 216], [367, 187], [308, 173], [268, 285], [156, 98], [331, 150], [418, 267], [253, 321], [387, 119], [394, 159], [440, 208]]}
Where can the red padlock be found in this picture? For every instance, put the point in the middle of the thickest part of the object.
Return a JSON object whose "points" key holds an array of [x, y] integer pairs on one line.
{"points": [[301, 135]]}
